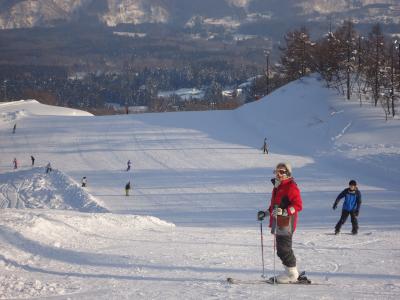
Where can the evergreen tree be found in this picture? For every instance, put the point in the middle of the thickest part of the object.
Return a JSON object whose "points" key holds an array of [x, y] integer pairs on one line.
{"points": [[296, 58], [326, 57]]}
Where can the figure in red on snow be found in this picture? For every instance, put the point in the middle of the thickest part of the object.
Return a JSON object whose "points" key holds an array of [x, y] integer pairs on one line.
{"points": [[283, 211]]}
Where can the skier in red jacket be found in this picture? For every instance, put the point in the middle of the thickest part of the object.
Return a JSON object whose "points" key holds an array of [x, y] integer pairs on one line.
{"points": [[285, 204]]}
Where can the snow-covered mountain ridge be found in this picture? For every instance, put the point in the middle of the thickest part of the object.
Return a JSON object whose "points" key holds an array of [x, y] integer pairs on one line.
{"points": [[31, 13]]}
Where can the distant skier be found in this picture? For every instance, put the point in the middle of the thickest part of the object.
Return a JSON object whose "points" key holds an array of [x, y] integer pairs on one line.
{"points": [[127, 188], [265, 146], [15, 163], [48, 168], [351, 206], [285, 204], [14, 128], [84, 181], [33, 160], [129, 163]]}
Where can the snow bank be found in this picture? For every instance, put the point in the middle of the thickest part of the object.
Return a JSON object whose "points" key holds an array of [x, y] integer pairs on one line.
{"points": [[54, 226], [33, 107], [29, 237], [12, 115], [33, 188]]}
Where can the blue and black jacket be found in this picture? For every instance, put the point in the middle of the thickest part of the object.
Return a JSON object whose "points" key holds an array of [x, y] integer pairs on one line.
{"points": [[352, 199]]}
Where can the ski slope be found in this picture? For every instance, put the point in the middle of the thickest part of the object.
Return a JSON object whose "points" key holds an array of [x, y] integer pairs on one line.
{"points": [[198, 180]]}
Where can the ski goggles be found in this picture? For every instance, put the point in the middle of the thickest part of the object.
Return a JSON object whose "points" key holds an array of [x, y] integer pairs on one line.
{"points": [[280, 171]]}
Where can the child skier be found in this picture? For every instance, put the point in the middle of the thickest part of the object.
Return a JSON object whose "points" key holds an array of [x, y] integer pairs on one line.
{"points": [[351, 206]]}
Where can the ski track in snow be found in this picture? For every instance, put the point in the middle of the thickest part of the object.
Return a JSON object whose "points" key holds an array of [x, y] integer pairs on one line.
{"points": [[342, 132], [205, 173]]}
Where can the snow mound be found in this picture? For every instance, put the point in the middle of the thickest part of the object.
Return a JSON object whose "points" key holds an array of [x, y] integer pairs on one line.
{"points": [[33, 188], [12, 115], [304, 109], [33, 107], [51, 227], [36, 241]]}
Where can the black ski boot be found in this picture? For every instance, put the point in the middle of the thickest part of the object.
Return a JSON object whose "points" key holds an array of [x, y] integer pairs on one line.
{"points": [[302, 279]]}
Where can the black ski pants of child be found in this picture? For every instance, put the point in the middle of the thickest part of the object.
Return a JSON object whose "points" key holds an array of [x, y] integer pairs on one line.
{"points": [[343, 218], [285, 251]]}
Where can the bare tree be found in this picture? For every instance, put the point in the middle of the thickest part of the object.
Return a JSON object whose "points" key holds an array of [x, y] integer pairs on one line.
{"points": [[375, 62], [347, 50], [360, 67]]}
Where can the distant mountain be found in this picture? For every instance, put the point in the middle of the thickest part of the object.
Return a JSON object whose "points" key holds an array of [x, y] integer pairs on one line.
{"points": [[31, 13], [229, 13]]}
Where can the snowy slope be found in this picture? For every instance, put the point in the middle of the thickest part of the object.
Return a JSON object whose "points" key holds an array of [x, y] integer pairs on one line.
{"points": [[198, 180]]}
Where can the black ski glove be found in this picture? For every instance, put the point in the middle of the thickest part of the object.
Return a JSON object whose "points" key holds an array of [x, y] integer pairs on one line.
{"points": [[261, 215], [335, 205], [356, 213]]}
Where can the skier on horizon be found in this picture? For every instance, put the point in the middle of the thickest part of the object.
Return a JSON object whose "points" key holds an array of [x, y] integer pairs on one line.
{"points": [[285, 204], [33, 160], [265, 146], [14, 128], [351, 206], [15, 163], [129, 163]]}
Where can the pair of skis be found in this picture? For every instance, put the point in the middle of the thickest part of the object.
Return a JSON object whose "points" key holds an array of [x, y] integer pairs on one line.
{"points": [[302, 279]]}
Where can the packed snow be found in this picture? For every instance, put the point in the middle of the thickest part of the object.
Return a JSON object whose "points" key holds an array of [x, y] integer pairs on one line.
{"points": [[198, 180]]}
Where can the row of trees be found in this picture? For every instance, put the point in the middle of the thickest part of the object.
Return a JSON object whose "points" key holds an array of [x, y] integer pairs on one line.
{"points": [[127, 87], [368, 66]]}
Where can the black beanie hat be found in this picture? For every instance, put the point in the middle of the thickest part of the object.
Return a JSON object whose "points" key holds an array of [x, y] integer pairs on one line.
{"points": [[352, 182]]}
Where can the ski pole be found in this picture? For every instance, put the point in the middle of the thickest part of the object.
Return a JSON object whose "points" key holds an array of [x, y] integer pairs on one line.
{"points": [[276, 224], [262, 251]]}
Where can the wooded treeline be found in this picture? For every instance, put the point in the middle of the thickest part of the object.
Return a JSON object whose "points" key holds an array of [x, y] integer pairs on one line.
{"points": [[366, 67]]}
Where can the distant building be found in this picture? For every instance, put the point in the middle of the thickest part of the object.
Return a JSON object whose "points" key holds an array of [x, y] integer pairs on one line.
{"points": [[138, 109], [184, 94], [77, 76], [131, 109]]}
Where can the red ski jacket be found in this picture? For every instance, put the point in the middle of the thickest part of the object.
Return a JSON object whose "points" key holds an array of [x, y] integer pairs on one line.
{"points": [[286, 196]]}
